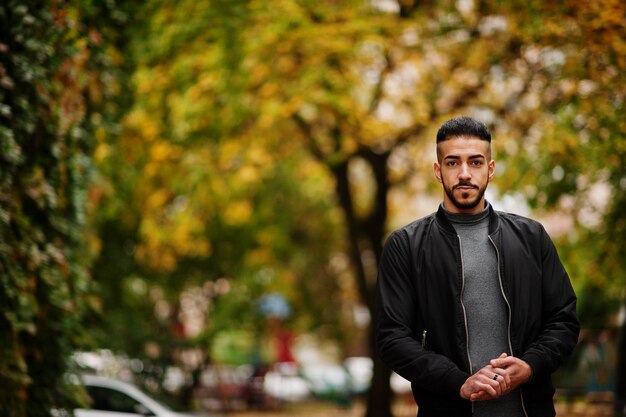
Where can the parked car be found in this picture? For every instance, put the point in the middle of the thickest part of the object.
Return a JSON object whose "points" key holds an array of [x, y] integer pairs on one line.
{"points": [[114, 398]]}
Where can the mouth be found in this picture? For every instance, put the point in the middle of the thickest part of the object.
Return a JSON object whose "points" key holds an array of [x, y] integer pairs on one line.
{"points": [[465, 187]]}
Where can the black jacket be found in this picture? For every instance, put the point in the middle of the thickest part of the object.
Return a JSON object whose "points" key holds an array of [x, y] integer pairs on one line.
{"points": [[420, 324]]}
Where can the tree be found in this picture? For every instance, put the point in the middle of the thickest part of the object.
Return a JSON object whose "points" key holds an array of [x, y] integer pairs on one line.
{"points": [[575, 161], [51, 62], [373, 87], [370, 88], [232, 79], [187, 205]]}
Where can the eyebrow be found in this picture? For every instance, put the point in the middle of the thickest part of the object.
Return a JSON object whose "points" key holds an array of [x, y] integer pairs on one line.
{"points": [[477, 156]]}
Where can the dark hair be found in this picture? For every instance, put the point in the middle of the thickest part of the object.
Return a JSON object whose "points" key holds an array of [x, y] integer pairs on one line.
{"points": [[463, 126]]}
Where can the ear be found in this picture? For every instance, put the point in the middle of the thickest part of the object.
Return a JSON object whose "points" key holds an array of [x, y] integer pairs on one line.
{"points": [[437, 171], [492, 169]]}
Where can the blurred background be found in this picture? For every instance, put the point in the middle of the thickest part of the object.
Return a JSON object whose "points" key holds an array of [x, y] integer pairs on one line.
{"points": [[194, 194]]}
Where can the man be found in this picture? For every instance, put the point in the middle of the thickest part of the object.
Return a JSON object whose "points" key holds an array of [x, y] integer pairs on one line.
{"points": [[473, 305]]}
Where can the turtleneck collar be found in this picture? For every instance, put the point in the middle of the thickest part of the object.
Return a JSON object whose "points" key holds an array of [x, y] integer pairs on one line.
{"points": [[467, 218]]}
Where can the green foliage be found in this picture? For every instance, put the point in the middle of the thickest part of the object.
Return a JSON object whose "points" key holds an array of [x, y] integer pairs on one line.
{"points": [[572, 159], [49, 87], [187, 204], [231, 98], [230, 137]]}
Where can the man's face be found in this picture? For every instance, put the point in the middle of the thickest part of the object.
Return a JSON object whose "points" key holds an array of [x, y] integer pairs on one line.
{"points": [[464, 169]]}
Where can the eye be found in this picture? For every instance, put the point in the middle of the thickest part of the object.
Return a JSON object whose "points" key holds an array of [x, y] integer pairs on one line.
{"points": [[451, 163], [477, 163]]}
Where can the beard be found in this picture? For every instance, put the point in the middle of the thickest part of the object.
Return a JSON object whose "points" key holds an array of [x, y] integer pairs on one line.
{"points": [[467, 204]]}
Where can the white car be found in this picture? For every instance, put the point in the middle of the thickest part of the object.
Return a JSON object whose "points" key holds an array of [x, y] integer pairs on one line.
{"points": [[114, 398]]}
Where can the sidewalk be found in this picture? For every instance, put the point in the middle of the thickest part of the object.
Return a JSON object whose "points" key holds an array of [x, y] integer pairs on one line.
{"points": [[324, 410], [575, 409], [584, 410]]}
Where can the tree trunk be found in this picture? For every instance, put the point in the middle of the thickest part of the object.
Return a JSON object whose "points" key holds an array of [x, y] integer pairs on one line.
{"points": [[620, 372], [368, 231], [379, 396]]}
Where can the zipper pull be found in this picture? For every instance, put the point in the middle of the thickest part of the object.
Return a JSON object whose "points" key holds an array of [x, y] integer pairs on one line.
{"points": [[424, 338]]}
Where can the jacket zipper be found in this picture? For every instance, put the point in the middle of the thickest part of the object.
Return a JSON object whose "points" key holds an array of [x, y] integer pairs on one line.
{"points": [[469, 359], [508, 305], [424, 338]]}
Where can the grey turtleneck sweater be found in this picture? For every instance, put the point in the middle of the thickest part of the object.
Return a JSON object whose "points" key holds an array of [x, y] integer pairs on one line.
{"points": [[485, 306]]}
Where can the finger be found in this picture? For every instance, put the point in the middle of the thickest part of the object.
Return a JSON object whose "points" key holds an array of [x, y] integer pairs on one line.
{"points": [[506, 379], [492, 386], [502, 361], [501, 384], [485, 380], [503, 378], [488, 371], [481, 396], [491, 373]]}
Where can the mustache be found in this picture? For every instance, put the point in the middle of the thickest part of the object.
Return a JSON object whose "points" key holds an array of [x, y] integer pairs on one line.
{"points": [[465, 184]]}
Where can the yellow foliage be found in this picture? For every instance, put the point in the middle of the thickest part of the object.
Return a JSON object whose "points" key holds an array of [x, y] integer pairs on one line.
{"points": [[293, 105], [145, 80], [258, 257], [259, 73], [238, 213], [270, 115], [267, 236], [157, 199], [100, 134], [101, 152], [349, 145], [169, 233], [259, 155], [165, 261], [269, 89], [139, 121], [206, 82], [248, 174], [229, 153], [162, 151], [286, 279]]}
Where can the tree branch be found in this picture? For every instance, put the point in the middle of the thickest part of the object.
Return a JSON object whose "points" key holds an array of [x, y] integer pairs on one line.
{"points": [[378, 90], [310, 142]]}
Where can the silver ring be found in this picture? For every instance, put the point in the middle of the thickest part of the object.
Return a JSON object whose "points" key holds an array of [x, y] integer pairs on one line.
{"points": [[495, 377]]}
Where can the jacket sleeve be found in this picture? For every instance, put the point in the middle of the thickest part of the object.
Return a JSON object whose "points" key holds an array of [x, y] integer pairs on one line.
{"points": [[560, 325], [395, 325]]}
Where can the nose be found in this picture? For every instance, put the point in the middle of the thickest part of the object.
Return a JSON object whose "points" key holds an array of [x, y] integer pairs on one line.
{"points": [[464, 173]]}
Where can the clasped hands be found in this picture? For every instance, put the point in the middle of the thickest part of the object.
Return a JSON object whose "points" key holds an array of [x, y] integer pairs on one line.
{"points": [[498, 378]]}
